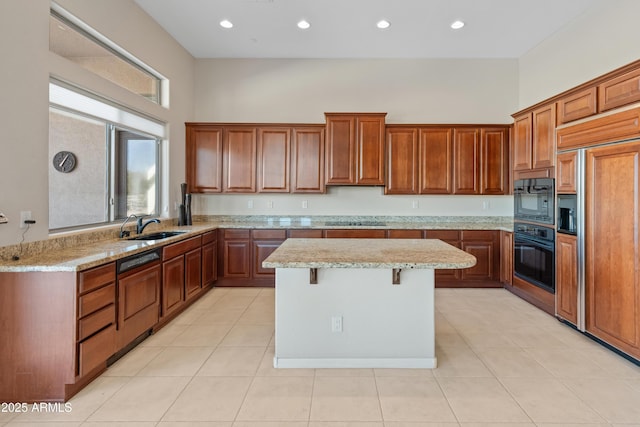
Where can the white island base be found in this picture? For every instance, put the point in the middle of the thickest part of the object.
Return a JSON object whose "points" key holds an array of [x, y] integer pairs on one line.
{"points": [[354, 318]]}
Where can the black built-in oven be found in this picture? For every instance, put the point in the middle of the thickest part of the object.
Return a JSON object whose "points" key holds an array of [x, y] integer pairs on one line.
{"points": [[533, 200], [534, 255]]}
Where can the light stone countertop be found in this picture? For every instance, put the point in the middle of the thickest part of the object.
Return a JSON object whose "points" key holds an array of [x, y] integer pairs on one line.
{"points": [[368, 253], [82, 251]]}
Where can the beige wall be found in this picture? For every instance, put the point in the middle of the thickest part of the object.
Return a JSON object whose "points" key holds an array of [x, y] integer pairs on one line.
{"points": [[601, 40], [24, 76]]}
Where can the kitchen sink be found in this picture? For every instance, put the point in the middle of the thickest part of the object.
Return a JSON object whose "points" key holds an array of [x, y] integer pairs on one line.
{"points": [[157, 236]]}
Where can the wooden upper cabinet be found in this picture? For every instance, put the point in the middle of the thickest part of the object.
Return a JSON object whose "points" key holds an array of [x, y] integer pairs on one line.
{"points": [[239, 163], [544, 130], [436, 160], [577, 105], [466, 168], [307, 160], [566, 172], [204, 158], [402, 161], [522, 143], [619, 91], [274, 147], [355, 148], [494, 151]]}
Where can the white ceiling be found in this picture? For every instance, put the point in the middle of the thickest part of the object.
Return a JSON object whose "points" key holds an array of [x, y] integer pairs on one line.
{"points": [[346, 28]]}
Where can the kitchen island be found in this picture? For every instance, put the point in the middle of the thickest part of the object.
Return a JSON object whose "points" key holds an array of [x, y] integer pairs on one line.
{"points": [[358, 303]]}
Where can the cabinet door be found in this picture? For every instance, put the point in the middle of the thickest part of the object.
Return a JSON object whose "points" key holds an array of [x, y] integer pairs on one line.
{"points": [[466, 161], [484, 245], [138, 303], [506, 257], [402, 161], [239, 165], [566, 172], [209, 255], [237, 258], [612, 245], [544, 134], [307, 160], [619, 91], [370, 150], [274, 148], [341, 149], [494, 148], [436, 160], [522, 143], [577, 106], [204, 158], [567, 277], [261, 250], [451, 237], [172, 284], [193, 272]]}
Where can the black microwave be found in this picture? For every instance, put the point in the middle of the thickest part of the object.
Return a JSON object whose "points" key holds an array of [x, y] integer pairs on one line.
{"points": [[533, 200]]}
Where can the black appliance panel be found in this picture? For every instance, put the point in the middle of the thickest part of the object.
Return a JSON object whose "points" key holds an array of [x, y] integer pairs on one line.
{"points": [[533, 200], [534, 255]]}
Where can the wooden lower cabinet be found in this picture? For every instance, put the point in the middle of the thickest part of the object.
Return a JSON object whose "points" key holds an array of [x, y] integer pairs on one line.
{"points": [[355, 234], [209, 258], [192, 273], [506, 258], [567, 278], [264, 242], [181, 273], [172, 285]]}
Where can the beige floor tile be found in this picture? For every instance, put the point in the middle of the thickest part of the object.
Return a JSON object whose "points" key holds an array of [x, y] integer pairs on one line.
{"points": [[248, 336], [266, 368], [202, 335], [194, 424], [578, 425], [188, 316], [235, 301], [44, 424], [164, 336], [410, 424], [498, 425], [209, 399], [451, 339], [482, 340], [613, 364], [177, 362], [534, 337], [481, 400], [392, 372], [548, 400], [507, 363], [141, 399], [233, 361], [613, 399], [345, 424], [270, 424], [277, 399], [259, 315], [344, 372], [220, 314], [82, 405], [459, 362], [345, 399], [567, 363], [133, 362], [412, 399], [117, 424]]}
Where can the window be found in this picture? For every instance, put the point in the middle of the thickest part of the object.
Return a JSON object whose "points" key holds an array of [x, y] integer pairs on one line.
{"points": [[73, 40], [117, 170]]}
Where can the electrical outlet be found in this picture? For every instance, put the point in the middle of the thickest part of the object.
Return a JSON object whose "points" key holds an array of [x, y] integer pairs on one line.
{"points": [[250, 204], [336, 324], [305, 204], [485, 205], [24, 216], [270, 204], [415, 204]]}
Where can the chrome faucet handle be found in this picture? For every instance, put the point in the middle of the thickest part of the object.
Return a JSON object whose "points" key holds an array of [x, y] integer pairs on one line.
{"points": [[126, 233]]}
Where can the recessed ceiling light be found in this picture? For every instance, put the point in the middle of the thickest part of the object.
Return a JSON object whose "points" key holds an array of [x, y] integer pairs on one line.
{"points": [[382, 24], [456, 25], [303, 25], [225, 23]]}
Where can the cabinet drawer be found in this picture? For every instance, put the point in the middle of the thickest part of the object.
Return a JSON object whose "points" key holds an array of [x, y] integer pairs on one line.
{"points": [[236, 234], [305, 234], [359, 234], [96, 300], [478, 235], [96, 350], [179, 248], [269, 234], [405, 234], [208, 237], [450, 235], [619, 91], [96, 321], [577, 106], [96, 277]]}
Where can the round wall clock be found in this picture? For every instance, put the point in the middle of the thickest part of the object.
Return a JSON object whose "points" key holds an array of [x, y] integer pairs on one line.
{"points": [[64, 161]]}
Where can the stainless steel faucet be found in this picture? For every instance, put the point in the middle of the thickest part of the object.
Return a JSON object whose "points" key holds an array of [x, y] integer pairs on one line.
{"points": [[140, 226], [126, 233]]}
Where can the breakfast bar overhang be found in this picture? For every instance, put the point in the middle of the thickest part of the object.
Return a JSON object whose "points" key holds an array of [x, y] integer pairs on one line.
{"points": [[358, 303]]}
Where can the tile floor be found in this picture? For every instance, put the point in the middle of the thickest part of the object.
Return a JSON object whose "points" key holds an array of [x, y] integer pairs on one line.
{"points": [[501, 363]]}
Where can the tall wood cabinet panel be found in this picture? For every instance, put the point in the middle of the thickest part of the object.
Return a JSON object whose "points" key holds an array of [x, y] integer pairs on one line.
{"points": [[239, 163], [544, 130], [494, 152], [506, 257], [566, 175], [402, 161], [522, 143], [567, 277], [355, 148], [274, 147], [466, 168], [613, 245], [307, 160], [204, 159], [436, 160]]}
